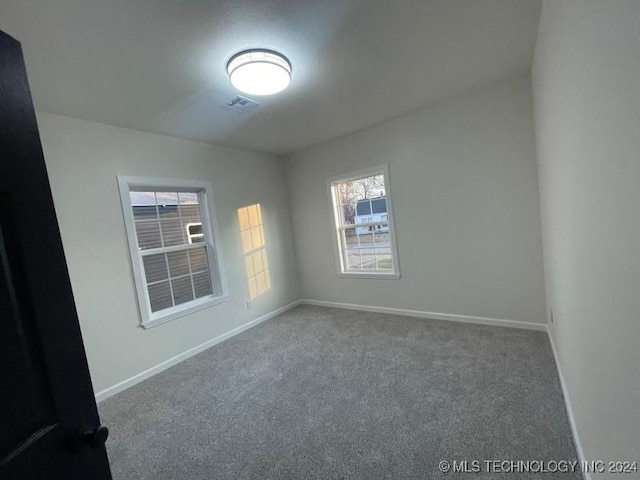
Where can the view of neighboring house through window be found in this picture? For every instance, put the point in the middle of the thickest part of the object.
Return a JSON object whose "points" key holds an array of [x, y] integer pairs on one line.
{"points": [[195, 232], [174, 258], [364, 228], [255, 252]]}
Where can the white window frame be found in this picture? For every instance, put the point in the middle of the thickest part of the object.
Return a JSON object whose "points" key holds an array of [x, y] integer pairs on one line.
{"points": [[148, 318], [191, 236], [337, 226]]}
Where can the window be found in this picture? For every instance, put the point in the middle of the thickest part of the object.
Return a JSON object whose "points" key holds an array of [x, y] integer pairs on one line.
{"points": [[195, 232], [363, 220], [255, 251], [174, 250]]}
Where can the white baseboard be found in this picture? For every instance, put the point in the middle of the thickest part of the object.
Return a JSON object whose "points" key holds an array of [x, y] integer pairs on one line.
{"points": [[119, 387], [496, 322], [567, 402]]}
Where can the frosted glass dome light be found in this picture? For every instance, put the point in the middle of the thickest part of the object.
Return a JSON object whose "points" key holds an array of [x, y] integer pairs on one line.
{"points": [[259, 72]]}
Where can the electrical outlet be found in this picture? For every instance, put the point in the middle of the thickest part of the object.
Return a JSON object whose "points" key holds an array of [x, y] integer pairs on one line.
{"points": [[249, 305], [551, 316]]}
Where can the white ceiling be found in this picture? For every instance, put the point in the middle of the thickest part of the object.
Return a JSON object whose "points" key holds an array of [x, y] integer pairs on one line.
{"points": [[159, 65]]}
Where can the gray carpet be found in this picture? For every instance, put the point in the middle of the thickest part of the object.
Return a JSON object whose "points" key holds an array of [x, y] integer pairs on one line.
{"points": [[326, 393]]}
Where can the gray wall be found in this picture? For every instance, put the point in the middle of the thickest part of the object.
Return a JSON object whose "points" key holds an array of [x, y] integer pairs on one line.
{"points": [[586, 80], [83, 159], [464, 187]]}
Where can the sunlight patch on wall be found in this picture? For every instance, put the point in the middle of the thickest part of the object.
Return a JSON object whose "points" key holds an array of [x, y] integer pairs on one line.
{"points": [[254, 248]]}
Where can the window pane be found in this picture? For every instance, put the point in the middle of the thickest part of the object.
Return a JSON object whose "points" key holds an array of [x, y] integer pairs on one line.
{"points": [[349, 213], [202, 284], [363, 207], [351, 238], [195, 229], [351, 249], [362, 197], [143, 198], [368, 262], [385, 261], [160, 296], [191, 218], [188, 198], [155, 267], [379, 205], [182, 290], [145, 217], [172, 230], [178, 263], [353, 260], [166, 198], [198, 260], [147, 232], [382, 243]]}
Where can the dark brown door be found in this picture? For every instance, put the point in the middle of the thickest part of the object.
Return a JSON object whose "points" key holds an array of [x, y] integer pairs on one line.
{"points": [[49, 425]]}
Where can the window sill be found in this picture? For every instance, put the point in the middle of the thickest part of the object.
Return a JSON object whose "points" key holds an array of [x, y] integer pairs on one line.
{"points": [[188, 309], [370, 275]]}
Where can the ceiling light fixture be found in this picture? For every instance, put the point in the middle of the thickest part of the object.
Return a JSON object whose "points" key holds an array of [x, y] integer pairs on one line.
{"points": [[259, 72]]}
